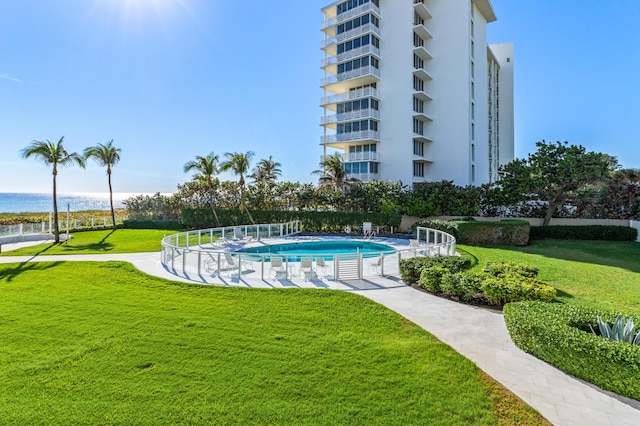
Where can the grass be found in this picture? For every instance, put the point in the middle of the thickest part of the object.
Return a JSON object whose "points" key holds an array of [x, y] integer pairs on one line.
{"points": [[100, 242], [104, 343], [598, 274]]}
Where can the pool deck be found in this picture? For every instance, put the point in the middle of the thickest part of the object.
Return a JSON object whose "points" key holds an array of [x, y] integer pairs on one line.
{"points": [[477, 333]]}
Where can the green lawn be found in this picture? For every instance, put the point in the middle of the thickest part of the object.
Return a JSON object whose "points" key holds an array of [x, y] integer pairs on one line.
{"points": [[600, 274], [101, 343], [100, 242]]}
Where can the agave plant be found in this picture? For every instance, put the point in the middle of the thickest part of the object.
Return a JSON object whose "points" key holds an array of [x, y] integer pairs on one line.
{"points": [[620, 331]]}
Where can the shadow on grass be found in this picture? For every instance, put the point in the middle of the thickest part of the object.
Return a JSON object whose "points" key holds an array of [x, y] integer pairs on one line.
{"points": [[8, 274]]}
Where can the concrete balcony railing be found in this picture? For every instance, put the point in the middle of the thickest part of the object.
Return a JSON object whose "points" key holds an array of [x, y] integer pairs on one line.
{"points": [[350, 95], [349, 116], [351, 136], [358, 72], [350, 14], [363, 50]]}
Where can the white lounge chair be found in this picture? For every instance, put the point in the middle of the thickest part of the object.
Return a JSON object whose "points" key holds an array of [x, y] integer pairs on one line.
{"points": [[376, 266], [306, 268], [278, 270], [239, 237], [232, 263]]}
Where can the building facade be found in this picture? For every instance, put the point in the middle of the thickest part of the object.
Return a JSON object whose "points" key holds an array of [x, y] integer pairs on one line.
{"points": [[413, 92]]}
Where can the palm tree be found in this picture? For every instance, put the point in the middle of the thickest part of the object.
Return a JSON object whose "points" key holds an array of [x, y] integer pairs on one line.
{"points": [[55, 155], [333, 174], [266, 170], [239, 164], [105, 155], [206, 168]]}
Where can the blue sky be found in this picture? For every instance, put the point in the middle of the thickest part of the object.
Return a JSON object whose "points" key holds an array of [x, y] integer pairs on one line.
{"points": [[172, 79]]}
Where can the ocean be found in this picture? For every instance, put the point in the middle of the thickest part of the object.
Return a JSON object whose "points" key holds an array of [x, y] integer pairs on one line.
{"points": [[11, 202]]}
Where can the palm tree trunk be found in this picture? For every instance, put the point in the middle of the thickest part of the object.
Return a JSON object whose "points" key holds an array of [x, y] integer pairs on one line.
{"points": [[215, 215], [113, 212], [56, 230], [243, 205]]}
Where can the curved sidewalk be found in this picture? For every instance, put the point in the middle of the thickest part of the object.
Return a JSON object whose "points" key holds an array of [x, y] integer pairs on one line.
{"points": [[477, 333]]}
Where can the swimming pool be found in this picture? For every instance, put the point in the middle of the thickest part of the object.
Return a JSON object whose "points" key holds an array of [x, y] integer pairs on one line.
{"points": [[324, 249]]}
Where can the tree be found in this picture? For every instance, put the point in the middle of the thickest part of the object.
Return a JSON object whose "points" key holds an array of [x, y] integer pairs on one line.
{"points": [[55, 155], [266, 170], [333, 174], [553, 171], [206, 168], [105, 155], [239, 163]]}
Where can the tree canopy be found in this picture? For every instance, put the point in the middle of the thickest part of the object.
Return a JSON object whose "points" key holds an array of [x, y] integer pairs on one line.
{"points": [[553, 171]]}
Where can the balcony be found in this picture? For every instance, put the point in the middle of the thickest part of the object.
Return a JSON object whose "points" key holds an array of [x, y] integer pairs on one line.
{"points": [[421, 9], [357, 157], [364, 176], [422, 53], [369, 70], [350, 96], [422, 31], [422, 74], [360, 10], [353, 53], [363, 135], [350, 116], [422, 95]]}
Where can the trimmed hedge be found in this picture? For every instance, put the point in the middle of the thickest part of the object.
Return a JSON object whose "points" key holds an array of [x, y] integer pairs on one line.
{"points": [[499, 283], [173, 225], [202, 218], [587, 232], [410, 269], [557, 334], [503, 233], [469, 231]]}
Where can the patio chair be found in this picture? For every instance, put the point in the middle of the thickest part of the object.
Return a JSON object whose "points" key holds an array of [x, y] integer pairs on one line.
{"points": [[306, 268], [320, 264], [239, 237], [414, 243], [376, 266], [277, 268], [232, 263]]}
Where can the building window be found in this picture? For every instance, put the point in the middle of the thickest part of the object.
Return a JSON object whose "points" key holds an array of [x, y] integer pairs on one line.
{"points": [[363, 62], [418, 169], [352, 4], [417, 40], [473, 152], [358, 22], [473, 132], [357, 126], [358, 42], [418, 148], [357, 105], [418, 62], [418, 127], [418, 84], [417, 19], [473, 173], [418, 105]]}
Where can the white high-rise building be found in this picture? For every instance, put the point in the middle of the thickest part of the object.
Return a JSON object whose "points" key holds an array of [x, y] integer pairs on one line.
{"points": [[414, 93]]}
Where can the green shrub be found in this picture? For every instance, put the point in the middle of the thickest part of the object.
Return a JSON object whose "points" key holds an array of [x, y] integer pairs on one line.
{"points": [[504, 268], [590, 232], [174, 225], [505, 232], [498, 284], [557, 334], [411, 269], [202, 218], [465, 286], [509, 288]]}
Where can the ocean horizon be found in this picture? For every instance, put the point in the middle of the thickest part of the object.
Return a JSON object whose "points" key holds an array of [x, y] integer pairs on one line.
{"points": [[27, 202]]}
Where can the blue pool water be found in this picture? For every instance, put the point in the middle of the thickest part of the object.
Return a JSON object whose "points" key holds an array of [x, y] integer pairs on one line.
{"points": [[324, 249]]}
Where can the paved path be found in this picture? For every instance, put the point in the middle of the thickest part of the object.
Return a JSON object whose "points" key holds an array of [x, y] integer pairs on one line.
{"points": [[477, 333]]}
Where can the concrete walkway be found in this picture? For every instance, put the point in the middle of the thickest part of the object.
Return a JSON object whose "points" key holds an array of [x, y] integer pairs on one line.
{"points": [[477, 333]]}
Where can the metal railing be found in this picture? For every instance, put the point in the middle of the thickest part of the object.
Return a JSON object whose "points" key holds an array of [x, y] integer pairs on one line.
{"points": [[351, 136], [350, 95], [46, 227], [358, 72], [210, 252], [352, 115]]}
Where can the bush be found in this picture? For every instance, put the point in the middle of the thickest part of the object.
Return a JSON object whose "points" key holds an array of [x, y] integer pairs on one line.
{"points": [[411, 269], [173, 225], [498, 284], [589, 232], [202, 218], [505, 232], [558, 334]]}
